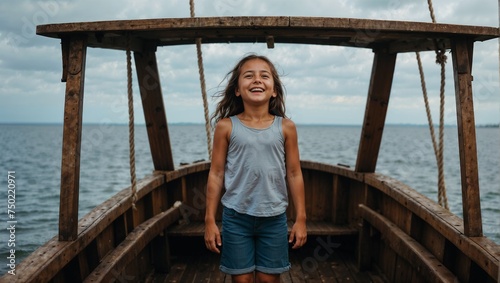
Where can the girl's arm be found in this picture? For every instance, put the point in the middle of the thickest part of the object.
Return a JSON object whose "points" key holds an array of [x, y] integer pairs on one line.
{"points": [[215, 183], [298, 235]]}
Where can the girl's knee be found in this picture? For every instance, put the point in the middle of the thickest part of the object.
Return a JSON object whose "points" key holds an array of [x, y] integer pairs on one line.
{"points": [[243, 278], [267, 278]]}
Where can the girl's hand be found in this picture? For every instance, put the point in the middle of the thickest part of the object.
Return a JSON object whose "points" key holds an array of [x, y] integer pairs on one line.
{"points": [[212, 238], [298, 235]]}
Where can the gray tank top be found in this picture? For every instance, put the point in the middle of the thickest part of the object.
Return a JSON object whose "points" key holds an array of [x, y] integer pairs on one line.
{"points": [[255, 170]]}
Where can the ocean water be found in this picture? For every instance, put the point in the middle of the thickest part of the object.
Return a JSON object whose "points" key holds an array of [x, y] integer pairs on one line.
{"points": [[33, 152]]}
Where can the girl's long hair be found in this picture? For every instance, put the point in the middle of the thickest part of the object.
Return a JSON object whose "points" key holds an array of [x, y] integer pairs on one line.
{"points": [[230, 104]]}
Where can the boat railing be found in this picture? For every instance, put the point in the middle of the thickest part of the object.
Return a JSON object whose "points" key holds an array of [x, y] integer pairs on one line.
{"points": [[115, 238], [437, 229]]}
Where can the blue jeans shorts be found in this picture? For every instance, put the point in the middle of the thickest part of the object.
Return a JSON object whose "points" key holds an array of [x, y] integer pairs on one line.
{"points": [[251, 243]]}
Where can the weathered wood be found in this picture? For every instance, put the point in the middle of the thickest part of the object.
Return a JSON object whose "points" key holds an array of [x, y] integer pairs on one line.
{"points": [[185, 170], [140, 214], [462, 65], [447, 224], [364, 252], [422, 260], [154, 110], [396, 213], [105, 242], [116, 261], [184, 190], [83, 265], [197, 228], [340, 199], [48, 260], [312, 263], [57, 30], [158, 200], [65, 58], [398, 36], [332, 169], [476, 248], [426, 209], [72, 140], [356, 196], [319, 195], [429, 238], [441, 233], [376, 109], [443, 221], [160, 251], [120, 227]]}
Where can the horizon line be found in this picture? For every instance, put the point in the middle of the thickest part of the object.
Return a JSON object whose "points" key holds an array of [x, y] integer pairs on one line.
{"points": [[492, 125]]}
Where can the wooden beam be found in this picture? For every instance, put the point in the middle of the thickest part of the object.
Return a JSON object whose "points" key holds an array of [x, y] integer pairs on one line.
{"points": [[49, 260], [375, 112], [462, 50], [364, 252], [72, 133], [154, 110], [340, 204], [65, 59], [115, 262], [400, 36], [270, 41], [423, 261]]}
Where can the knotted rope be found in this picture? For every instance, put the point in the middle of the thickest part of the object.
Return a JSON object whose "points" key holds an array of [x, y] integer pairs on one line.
{"points": [[438, 148], [203, 88], [131, 126]]}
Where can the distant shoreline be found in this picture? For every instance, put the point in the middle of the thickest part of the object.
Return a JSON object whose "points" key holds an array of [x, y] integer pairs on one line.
{"points": [[202, 124]]}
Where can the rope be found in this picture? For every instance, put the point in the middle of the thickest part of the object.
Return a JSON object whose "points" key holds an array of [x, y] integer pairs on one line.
{"points": [[442, 198], [131, 126], [431, 11], [438, 147], [203, 88]]}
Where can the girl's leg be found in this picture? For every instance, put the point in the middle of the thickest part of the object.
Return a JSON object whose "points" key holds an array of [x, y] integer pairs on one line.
{"points": [[243, 278], [271, 258], [259, 278], [267, 278], [238, 247]]}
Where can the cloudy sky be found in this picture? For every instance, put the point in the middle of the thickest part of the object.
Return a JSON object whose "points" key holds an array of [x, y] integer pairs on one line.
{"points": [[324, 85]]}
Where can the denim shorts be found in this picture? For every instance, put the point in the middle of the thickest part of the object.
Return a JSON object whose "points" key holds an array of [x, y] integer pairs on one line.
{"points": [[251, 243]]}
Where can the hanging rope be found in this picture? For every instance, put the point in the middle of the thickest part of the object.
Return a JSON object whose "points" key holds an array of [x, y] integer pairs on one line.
{"points": [[131, 126], [438, 147], [203, 88], [431, 11]]}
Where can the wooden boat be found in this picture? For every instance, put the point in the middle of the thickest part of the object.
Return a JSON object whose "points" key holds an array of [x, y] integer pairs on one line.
{"points": [[362, 226]]}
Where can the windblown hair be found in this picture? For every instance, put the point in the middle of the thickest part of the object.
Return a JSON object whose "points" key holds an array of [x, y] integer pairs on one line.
{"points": [[230, 104]]}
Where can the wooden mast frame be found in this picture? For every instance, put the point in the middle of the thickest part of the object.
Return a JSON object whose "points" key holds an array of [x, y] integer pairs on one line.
{"points": [[385, 38]]}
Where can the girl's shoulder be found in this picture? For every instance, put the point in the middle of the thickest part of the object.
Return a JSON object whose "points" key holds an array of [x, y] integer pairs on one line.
{"points": [[224, 126], [288, 127], [224, 122], [287, 123]]}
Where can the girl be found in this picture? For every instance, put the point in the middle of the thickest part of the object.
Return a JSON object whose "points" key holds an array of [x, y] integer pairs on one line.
{"points": [[255, 156]]}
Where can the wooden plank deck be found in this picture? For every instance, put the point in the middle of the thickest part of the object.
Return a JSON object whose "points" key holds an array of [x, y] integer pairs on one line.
{"points": [[323, 259]]}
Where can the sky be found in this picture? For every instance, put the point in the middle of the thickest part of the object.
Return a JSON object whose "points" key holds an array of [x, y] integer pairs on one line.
{"points": [[324, 85]]}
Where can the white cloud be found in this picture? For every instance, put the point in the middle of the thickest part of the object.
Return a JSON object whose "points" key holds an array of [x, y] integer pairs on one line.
{"points": [[324, 84]]}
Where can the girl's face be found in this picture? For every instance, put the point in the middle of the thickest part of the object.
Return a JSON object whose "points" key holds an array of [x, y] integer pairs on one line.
{"points": [[255, 82]]}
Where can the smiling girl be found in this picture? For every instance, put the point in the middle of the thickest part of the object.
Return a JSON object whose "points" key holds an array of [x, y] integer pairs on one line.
{"points": [[255, 156]]}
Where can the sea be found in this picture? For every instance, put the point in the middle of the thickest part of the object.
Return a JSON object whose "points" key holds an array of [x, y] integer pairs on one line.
{"points": [[30, 157]]}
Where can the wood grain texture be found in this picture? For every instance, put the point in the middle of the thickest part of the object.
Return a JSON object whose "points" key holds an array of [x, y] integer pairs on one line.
{"points": [[462, 65], [72, 140], [398, 36]]}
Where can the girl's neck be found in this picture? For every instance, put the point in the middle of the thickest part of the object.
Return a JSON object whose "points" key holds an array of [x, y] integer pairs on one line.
{"points": [[256, 119], [259, 114]]}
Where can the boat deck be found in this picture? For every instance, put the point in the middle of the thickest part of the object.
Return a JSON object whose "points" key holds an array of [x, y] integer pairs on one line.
{"points": [[321, 260]]}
